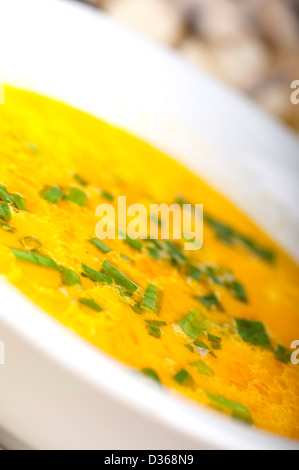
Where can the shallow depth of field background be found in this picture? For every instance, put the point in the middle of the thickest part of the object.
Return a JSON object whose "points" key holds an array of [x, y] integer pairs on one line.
{"points": [[252, 44]]}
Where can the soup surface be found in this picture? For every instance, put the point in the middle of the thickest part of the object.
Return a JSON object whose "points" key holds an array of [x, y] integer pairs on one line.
{"points": [[215, 324]]}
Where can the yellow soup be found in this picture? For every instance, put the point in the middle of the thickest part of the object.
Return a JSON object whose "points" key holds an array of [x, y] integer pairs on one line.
{"points": [[215, 324]]}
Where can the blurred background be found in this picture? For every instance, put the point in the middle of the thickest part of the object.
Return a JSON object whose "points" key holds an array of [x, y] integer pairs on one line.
{"points": [[251, 44]]}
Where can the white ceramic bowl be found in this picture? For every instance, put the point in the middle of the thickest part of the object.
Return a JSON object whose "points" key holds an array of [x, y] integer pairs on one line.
{"points": [[57, 391]]}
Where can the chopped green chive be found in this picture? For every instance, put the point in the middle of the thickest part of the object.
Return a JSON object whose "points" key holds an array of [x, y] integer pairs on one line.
{"points": [[253, 332], [223, 232], [180, 200], [69, 277], [137, 309], [213, 276], [151, 374], [6, 227], [153, 331], [204, 347], [125, 258], [239, 291], [283, 354], [77, 196], [135, 244], [157, 220], [52, 194], [5, 196], [156, 323], [177, 256], [92, 304], [150, 300], [189, 347], [210, 301], [202, 368], [107, 195], [153, 253], [228, 235], [100, 245], [80, 180], [193, 324], [257, 250], [119, 278], [233, 408], [35, 258], [19, 202], [183, 377], [158, 245], [194, 272], [215, 342], [5, 211], [95, 276]]}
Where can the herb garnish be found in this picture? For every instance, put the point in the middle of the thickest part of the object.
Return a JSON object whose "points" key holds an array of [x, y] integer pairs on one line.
{"points": [[183, 377], [156, 323], [52, 194], [154, 331], [193, 324], [19, 202], [151, 374], [210, 301], [204, 347], [100, 245], [5, 196], [150, 300], [5, 211], [215, 341], [202, 368], [77, 196], [237, 410], [119, 278], [107, 195], [80, 180], [283, 354], [69, 277], [194, 272], [230, 236], [253, 332], [90, 303], [238, 291], [95, 276], [35, 258]]}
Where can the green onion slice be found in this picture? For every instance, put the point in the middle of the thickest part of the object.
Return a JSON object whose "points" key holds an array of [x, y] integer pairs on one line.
{"points": [[100, 245], [77, 196], [119, 278], [69, 277], [150, 300], [194, 324], [5, 211], [237, 410], [52, 194], [202, 368], [92, 304], [35, 258], [253, 332], [95, 276]]}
